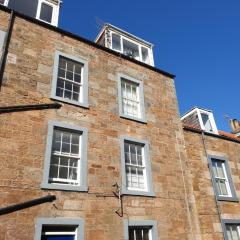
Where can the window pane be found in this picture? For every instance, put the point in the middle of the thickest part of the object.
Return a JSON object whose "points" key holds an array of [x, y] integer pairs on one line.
{"points": [[130, 49], [145, 56], [53, 171], [69, 79], [206, 122], [138, 233], [223, 188], [70, 65], [232, 232], [77, 78], [62, 63], [116, 42], [46, 13], [130, 98], [63, 172]]}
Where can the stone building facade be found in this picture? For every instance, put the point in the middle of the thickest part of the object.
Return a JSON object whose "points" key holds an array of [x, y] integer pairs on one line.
{"points": [[100, 132], [91, 210], [216, 216]]}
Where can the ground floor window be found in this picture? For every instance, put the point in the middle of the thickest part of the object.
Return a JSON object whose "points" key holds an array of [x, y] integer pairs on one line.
{"points": [[140, 230], [59, 229], [140, 233]]}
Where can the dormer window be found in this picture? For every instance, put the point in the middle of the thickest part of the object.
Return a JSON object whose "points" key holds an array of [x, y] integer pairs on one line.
{"points": [[202, 119], [47, 12], [206, 122], [44, 10], [125, 43]]}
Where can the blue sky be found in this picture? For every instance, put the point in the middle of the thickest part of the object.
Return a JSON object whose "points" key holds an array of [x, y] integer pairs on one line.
{"points": [[199, 41]]}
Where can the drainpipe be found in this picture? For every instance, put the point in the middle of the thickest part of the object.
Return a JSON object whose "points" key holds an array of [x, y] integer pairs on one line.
{"points": [[20, 206], [212, 179], [22, 108], [6, 46]]}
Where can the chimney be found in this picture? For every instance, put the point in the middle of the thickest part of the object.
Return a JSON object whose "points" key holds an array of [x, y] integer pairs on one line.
{"points": [[235, 126]]}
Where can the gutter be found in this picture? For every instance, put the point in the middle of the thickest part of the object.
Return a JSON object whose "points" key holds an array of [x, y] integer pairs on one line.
{"points": [[6, 46], [28, 204], [22, 108], [199, 131], [84, 40]]}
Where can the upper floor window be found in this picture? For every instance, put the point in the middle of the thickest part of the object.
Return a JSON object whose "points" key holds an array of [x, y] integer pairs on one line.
{"points": [[44, 10], [136, 167], [222, 180], [126, 43], [66, 156], [130, 48], [47, 12], [200, 118], [131, 98], [70, 80]]}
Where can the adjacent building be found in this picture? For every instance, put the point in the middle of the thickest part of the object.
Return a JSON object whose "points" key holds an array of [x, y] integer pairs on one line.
{"points": [[92, 145], [213, 171]]}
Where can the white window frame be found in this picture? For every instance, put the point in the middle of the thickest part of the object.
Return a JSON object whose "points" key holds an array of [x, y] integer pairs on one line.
{"points": [[55, 12], [143, 168], [148, 191], [76, 222], [211, 119], [76, 182], [226, 181], [83, 101], [82, 174], [136, 43], [140, 92], [232, 196]]}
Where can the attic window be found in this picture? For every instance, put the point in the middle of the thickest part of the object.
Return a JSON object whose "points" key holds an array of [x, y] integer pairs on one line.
{"points": [[202, 119], [116, 42], [46, 12], [130, 49], [145, 55], [206, 122]]}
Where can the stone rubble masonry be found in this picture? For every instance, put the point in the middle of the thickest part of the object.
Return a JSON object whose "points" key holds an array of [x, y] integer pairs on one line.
{"points": [[184, 206], [209, 226], [27, 80]]}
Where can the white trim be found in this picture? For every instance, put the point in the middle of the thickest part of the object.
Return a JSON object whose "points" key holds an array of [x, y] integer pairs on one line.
{"points": [[55, 12], [6, 2], [138, 44], [199, 111], [121, 32]]}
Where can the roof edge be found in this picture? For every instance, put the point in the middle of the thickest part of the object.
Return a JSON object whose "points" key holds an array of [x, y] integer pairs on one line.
{"points": [[79, 38], [220, 135], [109, 25]]}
